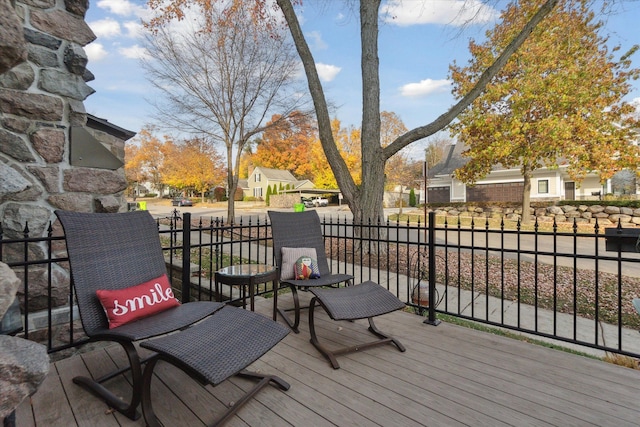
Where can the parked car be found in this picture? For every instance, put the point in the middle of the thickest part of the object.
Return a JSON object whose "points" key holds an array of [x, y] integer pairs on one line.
{"points": [[320, 201], [307, 201], [181, 201]]}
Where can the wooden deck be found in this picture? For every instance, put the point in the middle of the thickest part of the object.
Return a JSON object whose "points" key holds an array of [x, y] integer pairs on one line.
{"points": [[448, 376]]}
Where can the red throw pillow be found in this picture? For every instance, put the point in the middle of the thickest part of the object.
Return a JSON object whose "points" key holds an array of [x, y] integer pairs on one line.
{"points": [[126, 305]]}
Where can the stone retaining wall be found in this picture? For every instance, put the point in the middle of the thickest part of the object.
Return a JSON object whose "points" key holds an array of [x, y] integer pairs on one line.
{"points": [[605, 215]]}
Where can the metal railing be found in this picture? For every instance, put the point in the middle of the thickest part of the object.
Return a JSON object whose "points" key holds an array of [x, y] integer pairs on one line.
{"points": [[575, 285]]}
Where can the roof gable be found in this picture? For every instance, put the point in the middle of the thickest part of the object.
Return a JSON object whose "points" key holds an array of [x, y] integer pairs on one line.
{"points": [[275, 174]]}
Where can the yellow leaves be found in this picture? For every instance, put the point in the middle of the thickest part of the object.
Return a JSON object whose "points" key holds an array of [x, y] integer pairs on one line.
{"points": [[391, 127], [556, 100], [193, 164], [216, 14], [287, 145], [185, 164]]}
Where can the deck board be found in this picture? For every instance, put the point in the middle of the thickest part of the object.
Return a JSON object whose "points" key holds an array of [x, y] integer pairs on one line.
{"points": [[449, 376]]}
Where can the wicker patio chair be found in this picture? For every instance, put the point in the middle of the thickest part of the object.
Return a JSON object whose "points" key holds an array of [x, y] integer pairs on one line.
{"points": [[115, 252], [364, 301], [301, 230]]}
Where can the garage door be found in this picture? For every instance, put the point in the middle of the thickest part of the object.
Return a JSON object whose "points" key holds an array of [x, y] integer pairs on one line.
{"points": [[439, 195], [510, 192]]}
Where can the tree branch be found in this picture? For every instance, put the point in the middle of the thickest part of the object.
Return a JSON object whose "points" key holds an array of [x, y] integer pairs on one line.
{"points": [[486, 77]]}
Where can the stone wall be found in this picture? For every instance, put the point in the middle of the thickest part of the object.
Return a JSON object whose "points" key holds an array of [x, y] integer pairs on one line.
{"points": [[605, 215], [284, 200], [42, 91]]}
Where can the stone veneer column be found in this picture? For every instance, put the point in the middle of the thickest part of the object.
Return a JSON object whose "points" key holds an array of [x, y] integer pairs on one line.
{"points": [[40, 100]]}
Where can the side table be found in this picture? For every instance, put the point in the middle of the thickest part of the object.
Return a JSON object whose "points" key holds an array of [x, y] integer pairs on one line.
{"points": [[251, 275]]}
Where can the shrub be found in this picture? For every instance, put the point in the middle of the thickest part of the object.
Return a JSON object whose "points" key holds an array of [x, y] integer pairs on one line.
{"points": [[268, 196], [412, 198]]}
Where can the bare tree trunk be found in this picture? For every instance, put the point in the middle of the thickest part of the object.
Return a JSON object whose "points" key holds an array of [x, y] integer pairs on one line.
{"points": [[366, 201], [232, 184], [373, 157]]}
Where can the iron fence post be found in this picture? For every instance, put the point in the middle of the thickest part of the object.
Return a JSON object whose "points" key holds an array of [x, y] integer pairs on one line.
{"points": [[431, 316], [186, 257]]}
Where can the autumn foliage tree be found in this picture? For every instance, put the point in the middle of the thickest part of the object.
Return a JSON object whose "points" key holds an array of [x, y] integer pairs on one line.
{"points": [[193, 164], [348, 143], [144, 158], [559, 99], [287, 145], [398, 174], [133, 171], [364, 191]]}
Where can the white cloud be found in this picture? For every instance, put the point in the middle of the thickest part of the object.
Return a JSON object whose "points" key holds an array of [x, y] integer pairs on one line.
{"points": [[327, 72], [105, 27], [95, 51], [446, 12], [314, 38], [134, 52], [134, 29], [123, 8], [424, 88]]}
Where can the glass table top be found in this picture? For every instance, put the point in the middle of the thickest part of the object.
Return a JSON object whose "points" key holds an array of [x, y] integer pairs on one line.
{"points": [[247, 270]]}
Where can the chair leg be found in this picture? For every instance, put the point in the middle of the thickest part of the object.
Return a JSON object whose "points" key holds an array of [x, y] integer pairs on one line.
{"points": [[331, 354], [314, 339], [263, 380], [387, 338], [296, 311], [129, 409]]}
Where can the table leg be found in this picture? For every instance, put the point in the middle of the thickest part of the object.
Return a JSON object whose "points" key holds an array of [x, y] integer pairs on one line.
{"points": [[275, 286], [252, 293]]}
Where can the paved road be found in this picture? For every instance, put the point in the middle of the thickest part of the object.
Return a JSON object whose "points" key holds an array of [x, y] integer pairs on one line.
{"points": [[243, 209], [543, 248]]}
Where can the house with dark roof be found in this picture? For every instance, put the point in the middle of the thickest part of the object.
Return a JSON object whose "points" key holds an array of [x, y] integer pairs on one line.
{"points": [[260, 178], [506, 185]]}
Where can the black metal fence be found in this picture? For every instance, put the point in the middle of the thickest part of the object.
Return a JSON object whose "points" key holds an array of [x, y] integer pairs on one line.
{"points": [[573, 284]]}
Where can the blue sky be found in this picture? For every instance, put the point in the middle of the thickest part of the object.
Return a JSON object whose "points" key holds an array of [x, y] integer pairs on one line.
{"points": [[416, 45]]}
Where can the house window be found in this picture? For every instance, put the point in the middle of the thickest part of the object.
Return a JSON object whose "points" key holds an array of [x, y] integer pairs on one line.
{"points": [[257, 192], [543, 186], [257, 177]]}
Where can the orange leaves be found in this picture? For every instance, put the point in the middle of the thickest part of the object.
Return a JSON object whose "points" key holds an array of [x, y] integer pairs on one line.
{"points": [[287, 145], [216, 13], [191, 164]]}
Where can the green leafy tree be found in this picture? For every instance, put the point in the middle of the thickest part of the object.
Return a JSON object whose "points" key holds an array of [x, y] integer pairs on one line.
{"points": [[559, 99]]}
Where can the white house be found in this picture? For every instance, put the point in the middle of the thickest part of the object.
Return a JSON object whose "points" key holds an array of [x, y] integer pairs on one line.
{"points": [[507, 185], [260, 178]]}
